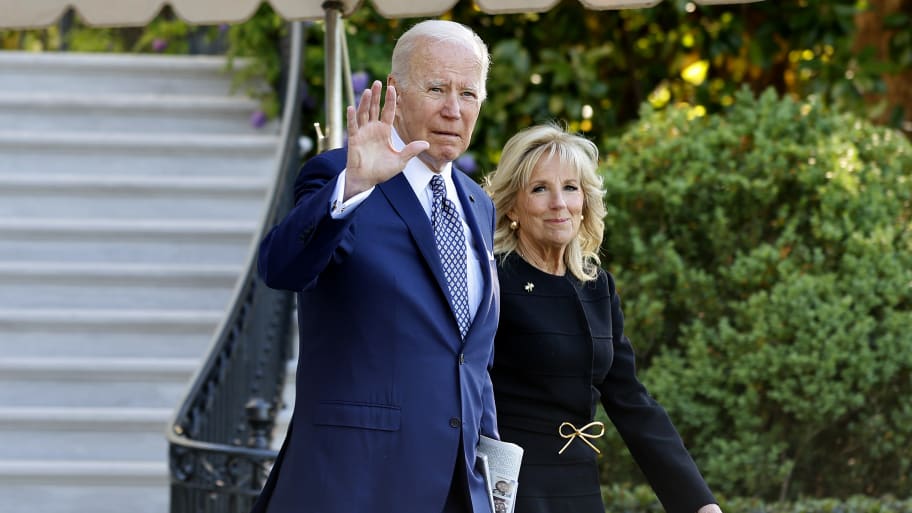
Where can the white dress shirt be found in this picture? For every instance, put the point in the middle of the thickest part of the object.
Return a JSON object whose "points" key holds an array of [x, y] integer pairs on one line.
{"points": [[419, 177]]}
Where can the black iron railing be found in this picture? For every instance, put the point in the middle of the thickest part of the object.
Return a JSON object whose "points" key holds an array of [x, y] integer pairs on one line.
{"points": [[220, 436]]}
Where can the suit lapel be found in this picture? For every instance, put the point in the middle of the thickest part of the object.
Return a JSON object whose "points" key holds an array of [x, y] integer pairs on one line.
{"points": [[402, 198], [475, 212]]}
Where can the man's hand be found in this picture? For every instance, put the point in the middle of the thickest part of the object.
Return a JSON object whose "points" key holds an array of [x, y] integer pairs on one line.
{"points": [[371, 156]]}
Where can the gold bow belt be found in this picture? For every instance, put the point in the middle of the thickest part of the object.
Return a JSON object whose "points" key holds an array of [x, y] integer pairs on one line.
{"points": [[591, 430]]}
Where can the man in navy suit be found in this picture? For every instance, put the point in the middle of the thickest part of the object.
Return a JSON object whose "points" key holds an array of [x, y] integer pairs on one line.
{"points": [[396, 340]]}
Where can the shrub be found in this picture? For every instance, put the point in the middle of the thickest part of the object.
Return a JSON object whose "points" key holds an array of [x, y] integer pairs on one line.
{"points": [[639, 499], [765, 258]]}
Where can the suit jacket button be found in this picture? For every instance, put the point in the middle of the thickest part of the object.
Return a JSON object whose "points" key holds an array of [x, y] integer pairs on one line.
{"points": [[461, 358], [454, 422]]}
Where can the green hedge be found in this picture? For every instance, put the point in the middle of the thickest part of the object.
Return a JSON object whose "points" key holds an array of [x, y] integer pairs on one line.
{"points": [[764, 255], [640, 499]]}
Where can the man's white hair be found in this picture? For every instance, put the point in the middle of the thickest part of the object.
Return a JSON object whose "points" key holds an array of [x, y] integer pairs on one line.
{"points": [[437, 31]]}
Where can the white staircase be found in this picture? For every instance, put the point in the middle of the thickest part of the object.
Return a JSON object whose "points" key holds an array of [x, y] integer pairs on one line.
{"points": [[130, 190]]}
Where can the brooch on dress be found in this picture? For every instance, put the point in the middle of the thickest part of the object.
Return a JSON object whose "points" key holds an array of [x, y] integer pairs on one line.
{"points": [[529, 286]]}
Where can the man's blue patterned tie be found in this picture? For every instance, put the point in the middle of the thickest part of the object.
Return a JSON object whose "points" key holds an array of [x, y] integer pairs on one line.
{"points": [[452, 247]]}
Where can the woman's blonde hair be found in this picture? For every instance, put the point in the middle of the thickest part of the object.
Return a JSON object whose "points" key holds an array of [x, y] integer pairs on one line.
{"points": [[520, 156]]}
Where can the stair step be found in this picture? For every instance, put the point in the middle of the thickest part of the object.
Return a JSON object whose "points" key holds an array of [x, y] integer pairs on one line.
{"points": [[73, 444], [116, 342], [97, 369], [103, 74], [115, 286], [182, 140], [43, 294], [127, 241], [135, 113], [137, 154], [145, 229], [176, 141], [94, 382], [85, 473], [84, 419], [114, 184], [116, 434], [124, 321], [124, 286], [62, 486], [127, 62], [128, 104], [102, 204], [50, 244], [96, 495], [101, 272]]}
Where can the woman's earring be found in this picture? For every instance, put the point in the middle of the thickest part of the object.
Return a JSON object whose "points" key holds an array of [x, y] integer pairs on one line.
{"points": [[582, 217], [514, 225]]}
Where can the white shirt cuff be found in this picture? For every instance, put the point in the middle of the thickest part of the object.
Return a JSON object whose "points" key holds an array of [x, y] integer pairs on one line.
{"points": [[339, 209]]}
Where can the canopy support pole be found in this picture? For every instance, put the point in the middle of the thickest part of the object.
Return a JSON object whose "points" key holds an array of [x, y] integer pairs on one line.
{"points": [[333, 74]]}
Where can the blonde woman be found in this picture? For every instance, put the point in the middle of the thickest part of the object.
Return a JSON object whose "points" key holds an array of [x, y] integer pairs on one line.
{"points": [[560, 347]]}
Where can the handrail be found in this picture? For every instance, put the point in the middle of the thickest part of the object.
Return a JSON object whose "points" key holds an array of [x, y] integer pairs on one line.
{"points": [[219, 436]]}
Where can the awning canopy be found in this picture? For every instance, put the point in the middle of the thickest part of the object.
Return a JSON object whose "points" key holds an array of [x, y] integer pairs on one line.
{"points": [[41, 13]]}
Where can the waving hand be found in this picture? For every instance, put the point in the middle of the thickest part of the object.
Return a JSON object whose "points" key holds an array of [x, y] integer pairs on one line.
{"points": [[371, 156]]}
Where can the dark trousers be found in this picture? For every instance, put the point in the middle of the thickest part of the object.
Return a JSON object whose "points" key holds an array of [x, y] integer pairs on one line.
{"points": [[458, 498]]}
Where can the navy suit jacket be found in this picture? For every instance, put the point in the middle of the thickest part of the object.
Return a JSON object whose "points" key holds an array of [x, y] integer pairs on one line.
{"points": [[386, 389]]}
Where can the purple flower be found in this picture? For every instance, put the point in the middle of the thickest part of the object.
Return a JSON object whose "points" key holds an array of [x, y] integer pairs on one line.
{"points": [[258, 119], [467, 164], [223, 28], [360, 82], [159, 44], [307, 101]]}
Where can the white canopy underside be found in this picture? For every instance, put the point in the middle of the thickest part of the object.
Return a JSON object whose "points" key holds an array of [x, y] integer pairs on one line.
{"points": [[41, 13]]}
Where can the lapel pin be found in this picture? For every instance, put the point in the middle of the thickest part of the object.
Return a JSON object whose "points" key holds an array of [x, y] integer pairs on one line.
{"points": [[529, 286]]}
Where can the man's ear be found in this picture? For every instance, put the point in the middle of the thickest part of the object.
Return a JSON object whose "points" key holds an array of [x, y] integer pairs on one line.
{"points": [[390, 81]]}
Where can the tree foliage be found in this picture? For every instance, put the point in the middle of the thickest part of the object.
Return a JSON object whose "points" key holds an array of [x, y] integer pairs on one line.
{"points": [[640, 499], [593, 69], [765, 254], [590, 69]]}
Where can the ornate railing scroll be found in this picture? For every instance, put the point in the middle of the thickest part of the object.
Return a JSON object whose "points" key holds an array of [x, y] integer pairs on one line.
{"points": [[219, 437]]}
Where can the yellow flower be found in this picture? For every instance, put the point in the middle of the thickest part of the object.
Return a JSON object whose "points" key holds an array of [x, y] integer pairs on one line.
{"points": [[695, 73], [698, 111], [660, 96]]}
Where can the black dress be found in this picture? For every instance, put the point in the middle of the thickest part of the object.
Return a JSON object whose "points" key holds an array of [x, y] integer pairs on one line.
{"points": [[560, 350]]}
